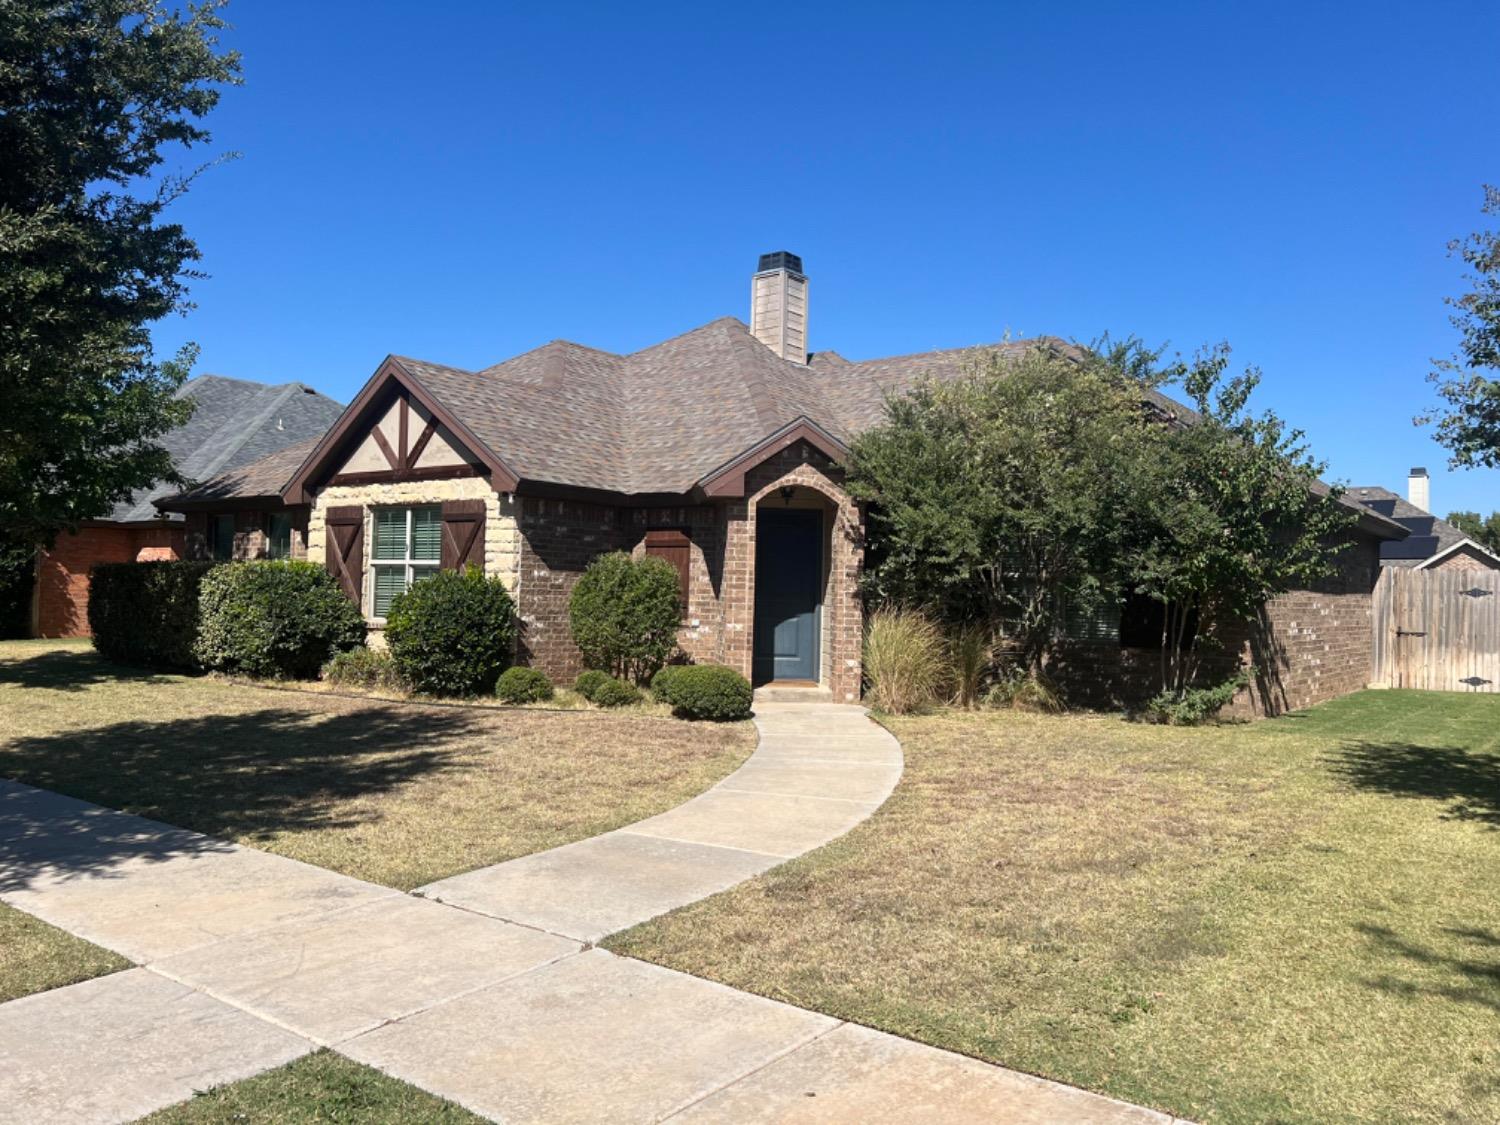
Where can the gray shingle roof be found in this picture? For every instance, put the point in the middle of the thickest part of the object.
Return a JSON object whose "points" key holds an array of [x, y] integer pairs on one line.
{"points": [[234, 423], [1428, 536]]}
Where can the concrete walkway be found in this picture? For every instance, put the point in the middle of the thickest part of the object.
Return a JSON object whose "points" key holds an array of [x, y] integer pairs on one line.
{"points": [[483, 988]]}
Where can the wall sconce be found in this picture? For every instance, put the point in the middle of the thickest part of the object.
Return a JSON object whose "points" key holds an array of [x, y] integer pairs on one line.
{"points": [[786, 491]]}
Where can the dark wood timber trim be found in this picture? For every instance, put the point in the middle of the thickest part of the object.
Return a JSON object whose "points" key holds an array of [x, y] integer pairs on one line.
{"points": [[421, 447], [392, 458], [403, 410], [437, 472]]}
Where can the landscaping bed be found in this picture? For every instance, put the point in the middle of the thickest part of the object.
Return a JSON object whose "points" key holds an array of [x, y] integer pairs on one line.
{"points": [[1295, 920], [396, 793]]}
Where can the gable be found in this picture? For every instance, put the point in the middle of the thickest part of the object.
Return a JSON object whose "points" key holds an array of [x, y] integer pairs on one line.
{"points": [[406, 439]]}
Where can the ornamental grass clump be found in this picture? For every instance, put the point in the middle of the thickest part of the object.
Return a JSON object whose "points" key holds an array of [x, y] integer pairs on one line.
{"points": [[904, 660], [452, 633], [279, 620], [369, 669], [971, 652]]}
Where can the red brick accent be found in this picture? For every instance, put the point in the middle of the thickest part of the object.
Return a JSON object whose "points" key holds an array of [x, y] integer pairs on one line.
{"points": [[62, 608]]}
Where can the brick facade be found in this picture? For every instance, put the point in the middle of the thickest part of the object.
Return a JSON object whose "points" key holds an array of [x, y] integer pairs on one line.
{"points": [[61, 596], [558, 539], [1465, 558]]}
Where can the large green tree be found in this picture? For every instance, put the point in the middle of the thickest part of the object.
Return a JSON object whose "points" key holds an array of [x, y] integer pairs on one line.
{"points": [[1485, 532], [1468, 382], [94, 96]]}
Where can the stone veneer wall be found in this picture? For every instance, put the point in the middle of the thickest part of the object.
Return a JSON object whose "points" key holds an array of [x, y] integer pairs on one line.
{"points": [[502, 548]]}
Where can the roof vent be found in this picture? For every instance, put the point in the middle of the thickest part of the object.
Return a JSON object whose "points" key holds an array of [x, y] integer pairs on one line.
{"points": [[778, 305]]}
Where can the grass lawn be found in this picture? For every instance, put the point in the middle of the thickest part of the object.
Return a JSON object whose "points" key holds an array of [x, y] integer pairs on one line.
{"points": [[35, 956], [398, 794], [322, 1087], [1295, 920]]}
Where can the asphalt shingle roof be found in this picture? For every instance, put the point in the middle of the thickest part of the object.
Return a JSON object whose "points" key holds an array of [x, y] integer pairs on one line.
{"points": [[235, 422], [1428, 535]]}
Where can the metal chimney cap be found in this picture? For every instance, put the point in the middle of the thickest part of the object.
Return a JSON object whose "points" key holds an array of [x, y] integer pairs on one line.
{"points": [[1418, 471], [779, 260]]}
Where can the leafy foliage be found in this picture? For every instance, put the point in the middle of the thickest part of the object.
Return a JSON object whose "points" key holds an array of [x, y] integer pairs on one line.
{"points": [[1485, 532], [1192, 706], [903, 660], [280, 620], [147, 613], [610, 692], [523, 685], [998, 498], [624, 613], [704, 691], [453, 633], [1020, 690], [17, 578], [589, 681], [361, 667], [1468, 382], [93, 92]]}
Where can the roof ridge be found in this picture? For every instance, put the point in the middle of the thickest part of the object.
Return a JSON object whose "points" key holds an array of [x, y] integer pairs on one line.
{"points": [[715, 323]]}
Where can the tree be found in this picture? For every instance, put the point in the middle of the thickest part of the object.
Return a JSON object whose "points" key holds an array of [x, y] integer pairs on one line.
{"points": [[1485, 532], [1000, 497], [1231, 514], [1468, 382], [92, 95]]}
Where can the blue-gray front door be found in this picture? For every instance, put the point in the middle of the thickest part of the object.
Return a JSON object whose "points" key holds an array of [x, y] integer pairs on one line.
{"points": [[788, 593]]}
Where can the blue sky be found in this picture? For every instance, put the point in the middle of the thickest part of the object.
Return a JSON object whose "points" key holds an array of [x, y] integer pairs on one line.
{"points": [[461, 182]]}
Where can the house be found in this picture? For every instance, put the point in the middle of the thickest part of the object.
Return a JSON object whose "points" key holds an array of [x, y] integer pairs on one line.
{"points": [[234, 422], [717, 450], [1432, 544]]}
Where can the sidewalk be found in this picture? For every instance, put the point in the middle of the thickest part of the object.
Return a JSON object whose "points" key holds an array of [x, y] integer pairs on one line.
{"points": [[483, 988]]}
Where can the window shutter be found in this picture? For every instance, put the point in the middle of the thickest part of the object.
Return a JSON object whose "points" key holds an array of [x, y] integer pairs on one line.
{"points": [[463, 534], [344, 549], [676, 548]]}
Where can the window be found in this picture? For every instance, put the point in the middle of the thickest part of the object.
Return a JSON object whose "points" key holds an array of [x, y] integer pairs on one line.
{"points": [[279, 535], [675, 547], [221, 537], [1144, 624], [408, 547]]}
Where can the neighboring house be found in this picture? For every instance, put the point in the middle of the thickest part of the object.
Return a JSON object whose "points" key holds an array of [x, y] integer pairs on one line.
{"points": [[717, 450], [234, 422], [1432, 544]]}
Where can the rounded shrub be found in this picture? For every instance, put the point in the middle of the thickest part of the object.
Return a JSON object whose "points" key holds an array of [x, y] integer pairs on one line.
{"points": [[709, 691], [661, 683], [523, 685], [589, 681], [282, 619], [615, 693], [452, 633], [361, 667], [624, 613]]}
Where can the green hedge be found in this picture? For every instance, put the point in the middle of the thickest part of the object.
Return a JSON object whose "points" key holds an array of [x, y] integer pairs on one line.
{"points": [[523, 685], [453, 633], [281, 620], [589, 681], [705, 691], [624, 613], [146, 613], [615, 693]]}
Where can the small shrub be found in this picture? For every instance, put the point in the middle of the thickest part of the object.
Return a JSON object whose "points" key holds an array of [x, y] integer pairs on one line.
{"points": [[904, 660], [708, 691], [615, 693], [1195, 705], [146, 613], [523, 685], [361, 667], [661, 683], [453, 633], [590, 681], [624, 613], [282, 620], [1025, 691], [971, 651]]}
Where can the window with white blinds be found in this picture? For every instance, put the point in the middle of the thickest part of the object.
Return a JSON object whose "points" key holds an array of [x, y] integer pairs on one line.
{"points": [[408, 547]]}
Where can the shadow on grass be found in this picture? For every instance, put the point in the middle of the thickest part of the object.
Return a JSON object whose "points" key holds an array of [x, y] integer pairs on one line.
{"points": [[1478, 981], [1470, 781], [74, 670], [247, 776]]}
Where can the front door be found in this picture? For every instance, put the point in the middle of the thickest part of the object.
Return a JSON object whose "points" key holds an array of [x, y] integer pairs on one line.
{"points": [[788, 593]]}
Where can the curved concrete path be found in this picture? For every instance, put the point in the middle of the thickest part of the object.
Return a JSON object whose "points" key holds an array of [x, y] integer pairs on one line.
{"points": [[485, 989]]}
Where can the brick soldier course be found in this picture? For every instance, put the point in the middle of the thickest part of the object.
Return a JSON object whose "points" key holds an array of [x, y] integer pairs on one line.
{"points": [[566, 452]]}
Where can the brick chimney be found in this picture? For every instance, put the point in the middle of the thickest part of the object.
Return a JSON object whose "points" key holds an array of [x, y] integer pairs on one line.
{"points": [[1417, 491], [778, 305]]}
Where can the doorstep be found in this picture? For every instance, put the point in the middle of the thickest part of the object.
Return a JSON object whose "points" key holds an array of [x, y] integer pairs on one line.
{"points": [[793, 691]]}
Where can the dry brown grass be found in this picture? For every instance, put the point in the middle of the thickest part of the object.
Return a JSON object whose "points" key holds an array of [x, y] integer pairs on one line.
{"points": [[400, 794], [1297, 920]]}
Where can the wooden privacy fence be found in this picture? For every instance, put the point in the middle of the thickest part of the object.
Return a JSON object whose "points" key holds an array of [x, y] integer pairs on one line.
{"points": [[1438, 630]]}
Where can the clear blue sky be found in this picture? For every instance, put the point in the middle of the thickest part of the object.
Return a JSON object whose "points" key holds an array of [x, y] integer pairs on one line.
{"points": [[462, 182]]}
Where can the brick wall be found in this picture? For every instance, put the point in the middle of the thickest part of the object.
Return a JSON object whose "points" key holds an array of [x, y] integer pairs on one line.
{"points": [[1465, 558], [702, 634], [62, 591], [558, 539]]}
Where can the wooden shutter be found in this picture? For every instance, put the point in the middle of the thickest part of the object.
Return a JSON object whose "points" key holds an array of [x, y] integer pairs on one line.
{"points": [[676, 548], [463, 534], [345, 547]]}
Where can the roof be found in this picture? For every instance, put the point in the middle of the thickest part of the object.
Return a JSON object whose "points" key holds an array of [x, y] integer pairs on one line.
{"points": [[665, 419], [235, 422], [1427, 535]]}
